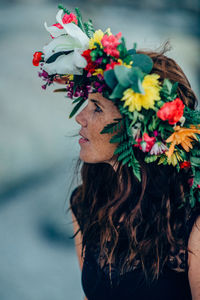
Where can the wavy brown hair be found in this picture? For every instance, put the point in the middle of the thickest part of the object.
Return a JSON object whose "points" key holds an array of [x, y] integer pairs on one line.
{"points": [[130, 219]]}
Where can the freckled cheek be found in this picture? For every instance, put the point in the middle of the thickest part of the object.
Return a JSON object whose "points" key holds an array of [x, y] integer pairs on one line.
{"points": [[102, 146]]}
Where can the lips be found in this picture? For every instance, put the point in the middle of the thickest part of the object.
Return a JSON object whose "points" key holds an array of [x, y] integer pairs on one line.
{"points": [[83, 136]]}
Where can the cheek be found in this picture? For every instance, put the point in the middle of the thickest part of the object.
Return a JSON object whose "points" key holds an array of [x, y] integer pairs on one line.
{"points": [[99, 149], [104, 149]]}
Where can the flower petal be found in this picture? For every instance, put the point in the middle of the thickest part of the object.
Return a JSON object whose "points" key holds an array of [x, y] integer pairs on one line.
{"points": [[65, 64], [74, 31], [61, 43], [54, 31], [79, 60]]}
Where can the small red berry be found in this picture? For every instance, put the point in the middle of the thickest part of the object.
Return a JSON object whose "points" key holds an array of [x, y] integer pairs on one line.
{"points": [[185, 164], [37, 57]]}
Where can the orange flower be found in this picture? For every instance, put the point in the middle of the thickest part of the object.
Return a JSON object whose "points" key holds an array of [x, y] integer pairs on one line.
{"points": [[182, 136]]}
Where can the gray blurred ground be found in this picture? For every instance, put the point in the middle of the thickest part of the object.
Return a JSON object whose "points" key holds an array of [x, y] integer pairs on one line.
{"points": [[37, 154]]}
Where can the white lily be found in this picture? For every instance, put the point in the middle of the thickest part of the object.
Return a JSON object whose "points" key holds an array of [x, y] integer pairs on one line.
{"points": [[70, 38]]}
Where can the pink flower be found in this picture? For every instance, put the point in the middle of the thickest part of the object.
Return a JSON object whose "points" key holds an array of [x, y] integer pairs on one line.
{"points": [[110, 43], [69, 19], [66, 20], [145, 143], [198, 186]]}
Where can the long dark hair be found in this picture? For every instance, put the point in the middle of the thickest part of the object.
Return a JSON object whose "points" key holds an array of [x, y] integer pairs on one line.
{"points": [[153, 219]]}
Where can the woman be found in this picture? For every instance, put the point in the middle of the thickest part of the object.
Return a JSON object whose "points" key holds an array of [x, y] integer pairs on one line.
{"points": [[136, 212]]}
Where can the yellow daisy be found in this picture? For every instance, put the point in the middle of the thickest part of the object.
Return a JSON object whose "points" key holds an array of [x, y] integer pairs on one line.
{"points": [[97, 37], [135, 101]]}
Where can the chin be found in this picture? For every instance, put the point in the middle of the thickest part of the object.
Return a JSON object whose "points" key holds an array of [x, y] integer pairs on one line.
{"points": [[94, 159], [86, 157]]}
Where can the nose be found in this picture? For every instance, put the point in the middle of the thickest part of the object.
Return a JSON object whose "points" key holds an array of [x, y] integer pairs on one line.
{"points": [[81, 118]]}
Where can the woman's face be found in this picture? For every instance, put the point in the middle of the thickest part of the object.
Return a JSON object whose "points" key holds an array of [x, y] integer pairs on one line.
{"points": [[99, 112]]}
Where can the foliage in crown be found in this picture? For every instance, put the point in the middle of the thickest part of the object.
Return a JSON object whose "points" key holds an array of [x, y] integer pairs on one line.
{"points": [[153, 119]]}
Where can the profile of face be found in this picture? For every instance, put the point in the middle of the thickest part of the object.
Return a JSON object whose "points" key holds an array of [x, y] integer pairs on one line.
{"points": [[95, 147]]}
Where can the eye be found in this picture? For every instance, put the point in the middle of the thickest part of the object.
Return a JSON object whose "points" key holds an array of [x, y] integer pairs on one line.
{"points": [[97, 108]]}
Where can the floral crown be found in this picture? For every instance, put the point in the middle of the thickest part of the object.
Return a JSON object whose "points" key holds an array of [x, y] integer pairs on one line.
{"points": [[153, 119]]}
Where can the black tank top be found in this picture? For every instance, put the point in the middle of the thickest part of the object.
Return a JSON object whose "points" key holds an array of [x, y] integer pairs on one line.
{"points": [[173, 283]]}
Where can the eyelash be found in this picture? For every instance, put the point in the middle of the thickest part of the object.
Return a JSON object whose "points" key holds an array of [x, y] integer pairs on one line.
{"points": [[97, 109]]}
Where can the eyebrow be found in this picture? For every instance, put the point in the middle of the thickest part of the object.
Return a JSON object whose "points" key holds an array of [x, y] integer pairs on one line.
{"points": [[97, 102]]}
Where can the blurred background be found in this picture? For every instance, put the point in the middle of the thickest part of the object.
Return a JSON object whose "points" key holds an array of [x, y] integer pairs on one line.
{"points": [[38, 154]]}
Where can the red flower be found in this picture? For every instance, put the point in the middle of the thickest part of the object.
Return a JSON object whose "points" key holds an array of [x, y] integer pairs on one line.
{"points": [[185, 164], [70, 18], [110, 43], [91, 66], [66, 20], [171, 111], [58, 25], [37, 57], [111, 65], [145, 143]]}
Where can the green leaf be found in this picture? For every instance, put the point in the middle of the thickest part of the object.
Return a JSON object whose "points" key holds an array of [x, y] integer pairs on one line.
{"points": [[122, 48], [197, 178], [192, 116], [137, 87], [122, 75], [142, 61], [60, 6], [110, 78], [162, 160], [135, 167], [112, 127], [89, 28], [76, 108], [192, 199], [126, 159], [132, 51], [118, 138], [80, 21], [195, 161], [122, 147], [174, 88], [124, 154], [117, 92], [168, 90], [77, 81], [77, 100], [130, 77], [151, 158], [136, 77]]}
